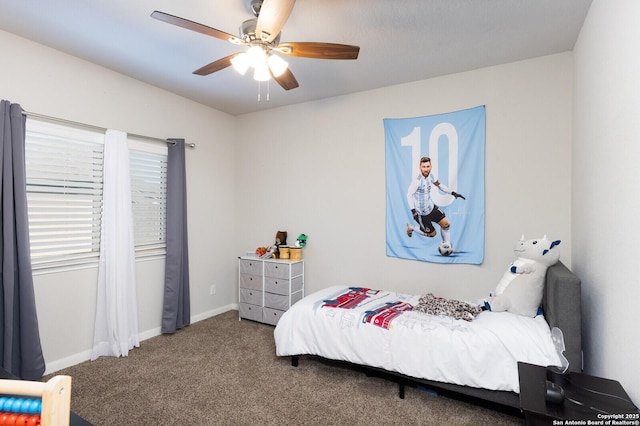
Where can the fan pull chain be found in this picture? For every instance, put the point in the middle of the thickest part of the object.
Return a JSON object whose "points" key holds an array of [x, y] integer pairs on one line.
{"points": [[260, 90]]}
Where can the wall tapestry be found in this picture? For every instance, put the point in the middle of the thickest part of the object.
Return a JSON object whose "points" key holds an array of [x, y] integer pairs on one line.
{"points": [[435, 187]]}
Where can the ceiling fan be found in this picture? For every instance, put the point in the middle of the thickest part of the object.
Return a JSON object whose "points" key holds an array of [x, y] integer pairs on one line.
{"points": [[262, 35]]}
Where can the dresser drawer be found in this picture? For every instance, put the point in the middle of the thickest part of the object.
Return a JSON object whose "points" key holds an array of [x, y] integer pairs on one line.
{"points": [[276, 269], [272, 316], [281, 269], [253, 297], [280, 301], [281, 286], [251, 267], [253, 282], [251, 312]]}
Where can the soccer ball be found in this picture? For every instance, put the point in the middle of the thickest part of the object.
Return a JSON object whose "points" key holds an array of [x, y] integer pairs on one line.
{"points": [[445, 248]]}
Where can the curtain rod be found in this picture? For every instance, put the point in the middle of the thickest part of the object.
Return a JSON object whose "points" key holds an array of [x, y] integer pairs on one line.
{"points": [[98, 128]]}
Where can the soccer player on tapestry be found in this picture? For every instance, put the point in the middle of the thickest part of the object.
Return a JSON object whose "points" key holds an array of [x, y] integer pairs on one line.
{"points": [[424, 211]]}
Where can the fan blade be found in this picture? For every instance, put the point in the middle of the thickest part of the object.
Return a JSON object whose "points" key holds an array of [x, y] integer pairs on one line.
{"points": [[319, 50], [214, 66], [194, 26], [272, 17], [286, 80]]}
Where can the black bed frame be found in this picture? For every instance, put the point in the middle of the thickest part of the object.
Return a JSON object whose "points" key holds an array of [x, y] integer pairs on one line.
{"points": [[561, 304]]}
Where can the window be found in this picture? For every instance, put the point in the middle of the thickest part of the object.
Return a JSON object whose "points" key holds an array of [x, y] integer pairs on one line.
{"points": [[64, 194], [148, 163]]}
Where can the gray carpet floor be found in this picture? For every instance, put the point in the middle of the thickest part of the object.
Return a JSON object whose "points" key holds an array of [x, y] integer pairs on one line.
{"points": [[222, 371]]}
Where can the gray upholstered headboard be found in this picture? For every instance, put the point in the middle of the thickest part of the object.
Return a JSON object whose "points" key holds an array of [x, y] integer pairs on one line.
{"points": [[561, 303]]}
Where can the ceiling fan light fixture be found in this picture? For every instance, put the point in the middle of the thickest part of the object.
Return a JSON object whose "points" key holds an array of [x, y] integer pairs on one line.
{"points": [[277, 65], [261, 72], [241, 63], [257, 34], [256, 55]]}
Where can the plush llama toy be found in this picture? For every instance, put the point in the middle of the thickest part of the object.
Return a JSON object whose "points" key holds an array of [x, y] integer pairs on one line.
{"points": [[521, 287]]}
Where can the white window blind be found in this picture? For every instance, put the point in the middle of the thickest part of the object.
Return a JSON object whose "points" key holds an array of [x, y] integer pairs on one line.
{"points": [[148, 164], [64, 193], [64, 167]]}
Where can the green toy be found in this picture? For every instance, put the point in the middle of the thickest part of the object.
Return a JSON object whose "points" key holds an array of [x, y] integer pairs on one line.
{"points": [[301, 241]]}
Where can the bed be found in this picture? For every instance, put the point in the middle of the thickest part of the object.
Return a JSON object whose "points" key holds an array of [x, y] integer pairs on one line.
{"points": [[379, 332]]}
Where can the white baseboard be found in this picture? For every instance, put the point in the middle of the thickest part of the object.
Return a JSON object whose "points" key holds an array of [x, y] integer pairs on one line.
{"points": [[80, 357], [214, 312], [53, 366]]}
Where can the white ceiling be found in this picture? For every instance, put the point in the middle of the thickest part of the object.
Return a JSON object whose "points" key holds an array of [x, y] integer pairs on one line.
{"points": [[400, 41]]}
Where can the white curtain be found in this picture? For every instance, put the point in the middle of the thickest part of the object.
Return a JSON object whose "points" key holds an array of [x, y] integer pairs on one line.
{"points": [[116, 326]]}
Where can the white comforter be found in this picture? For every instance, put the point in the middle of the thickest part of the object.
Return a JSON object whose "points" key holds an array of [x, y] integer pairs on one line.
{"points": [[481, 353]]}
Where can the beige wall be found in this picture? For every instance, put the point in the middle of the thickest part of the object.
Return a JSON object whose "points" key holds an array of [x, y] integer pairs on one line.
{"points": [[48, 82], [319, 168], [606, 188]]}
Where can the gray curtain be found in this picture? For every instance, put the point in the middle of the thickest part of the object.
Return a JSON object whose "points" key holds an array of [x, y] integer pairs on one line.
{"points": [[20, 347], [177, 305]]}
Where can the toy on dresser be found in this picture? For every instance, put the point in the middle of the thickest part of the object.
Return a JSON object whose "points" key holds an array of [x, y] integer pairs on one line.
{"points": [[278, 250], [521, 287]]}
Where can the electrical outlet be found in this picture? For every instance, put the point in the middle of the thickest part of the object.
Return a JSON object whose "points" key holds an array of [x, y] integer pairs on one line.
{"points": [[212, 289]]}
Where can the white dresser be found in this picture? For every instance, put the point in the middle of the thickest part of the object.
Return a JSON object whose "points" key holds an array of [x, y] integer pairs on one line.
{"points": [[268, 287]]}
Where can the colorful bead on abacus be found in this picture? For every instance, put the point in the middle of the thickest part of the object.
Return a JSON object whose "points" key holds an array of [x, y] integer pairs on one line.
{"points": [[20, 405], [35, 407], [20, 411], [8, 404], [14, 419]]}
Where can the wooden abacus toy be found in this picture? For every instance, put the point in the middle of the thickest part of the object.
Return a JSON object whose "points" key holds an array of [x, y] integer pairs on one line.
{"points": [[28, 403]]}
